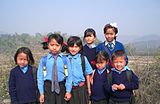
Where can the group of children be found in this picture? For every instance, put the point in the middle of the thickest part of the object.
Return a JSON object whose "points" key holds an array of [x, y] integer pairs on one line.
{"points": [[86, 74]]}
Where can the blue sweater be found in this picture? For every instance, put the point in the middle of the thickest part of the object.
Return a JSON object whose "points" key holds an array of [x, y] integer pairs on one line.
{"points": [[118, 46], [121, 78], [98, 91], [22, 86], [90, 53]]}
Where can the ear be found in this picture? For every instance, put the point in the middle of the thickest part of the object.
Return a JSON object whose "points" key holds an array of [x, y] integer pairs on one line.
{"points": [[94, 38]]}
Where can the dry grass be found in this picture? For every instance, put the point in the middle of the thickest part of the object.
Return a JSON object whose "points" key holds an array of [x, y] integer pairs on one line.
{"points": [[147, 69]]}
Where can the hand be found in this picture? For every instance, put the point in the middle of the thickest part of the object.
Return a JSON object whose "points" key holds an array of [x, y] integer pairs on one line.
{"points": [[41, 98], [121, 87], [89, 92], [67, 96], [114, 87]]}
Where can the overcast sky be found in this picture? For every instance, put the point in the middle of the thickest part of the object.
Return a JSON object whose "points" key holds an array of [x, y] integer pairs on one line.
{"points": [[134, 17]]}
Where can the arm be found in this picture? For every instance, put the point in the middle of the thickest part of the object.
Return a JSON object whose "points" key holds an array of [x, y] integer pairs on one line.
{"points": [[88, 84], [99, 48], [68, 83], [88, 71], [134, 84], [12, 87], [40, 79]]}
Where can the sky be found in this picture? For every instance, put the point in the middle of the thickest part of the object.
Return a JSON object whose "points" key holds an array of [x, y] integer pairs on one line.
{"points": [[133, 17]]}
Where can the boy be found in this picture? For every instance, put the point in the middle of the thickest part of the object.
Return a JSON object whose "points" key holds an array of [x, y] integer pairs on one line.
{"points": [[122, 81]]}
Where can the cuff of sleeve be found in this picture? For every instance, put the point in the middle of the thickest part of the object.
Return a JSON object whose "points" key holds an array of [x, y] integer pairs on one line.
{"points": [[127, 86]]}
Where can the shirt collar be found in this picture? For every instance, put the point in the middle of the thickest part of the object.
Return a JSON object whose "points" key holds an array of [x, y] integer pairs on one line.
{"points": [[106, 42], [24, 69], [50, 55], [76, 56], [91, 46], [125, 68], [101, 71]]}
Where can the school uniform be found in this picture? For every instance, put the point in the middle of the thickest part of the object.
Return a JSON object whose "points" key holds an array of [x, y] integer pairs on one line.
{"points": [[90, 53], [122, 96], [115, 46], [79, 90], [45, 82], [22, 87], [110, 48], [99, 94]]}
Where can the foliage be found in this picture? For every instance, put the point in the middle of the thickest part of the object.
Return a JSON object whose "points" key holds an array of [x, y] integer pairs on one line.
{"points": [[149, 74], [149, 77]]}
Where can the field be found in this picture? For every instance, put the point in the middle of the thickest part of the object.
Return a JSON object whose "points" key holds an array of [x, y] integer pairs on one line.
{"points": [[144, 66]]}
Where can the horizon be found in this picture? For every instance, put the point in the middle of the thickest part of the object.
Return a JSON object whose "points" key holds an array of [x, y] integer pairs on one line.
{"points": [[134, 18]]}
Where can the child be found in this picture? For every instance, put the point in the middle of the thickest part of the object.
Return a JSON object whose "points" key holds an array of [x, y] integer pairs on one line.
{"points": [[22, 87], [79, 93], [110, 45], [123, 81], [45, 45], [54, 83], [89, 49], [99, 76]]}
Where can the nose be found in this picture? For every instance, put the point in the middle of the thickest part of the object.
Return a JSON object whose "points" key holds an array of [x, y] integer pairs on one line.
{"points": [[73, 48], [118, 63], [54, 47]]}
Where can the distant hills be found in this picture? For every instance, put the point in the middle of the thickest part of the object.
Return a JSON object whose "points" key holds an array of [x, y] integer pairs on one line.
{"points": [[144, 44]]}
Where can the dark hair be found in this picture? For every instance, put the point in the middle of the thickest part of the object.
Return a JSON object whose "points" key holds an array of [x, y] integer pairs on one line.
{"points": [[45, 45], [64, 47], [57, 37], [118, 53], [107, 26], [28, 52], [89, 32], [102, 55], [75, 40]]}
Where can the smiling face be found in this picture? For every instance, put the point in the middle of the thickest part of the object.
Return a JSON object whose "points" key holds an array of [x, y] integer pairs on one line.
{"points": [[119, 62], [54, 46], [22, 59], [110, 35], [74, 49]]}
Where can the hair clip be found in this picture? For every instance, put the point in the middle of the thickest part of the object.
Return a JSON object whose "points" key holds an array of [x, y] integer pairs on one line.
{"points": [[65, 43], [45, 39], [114, 24]]}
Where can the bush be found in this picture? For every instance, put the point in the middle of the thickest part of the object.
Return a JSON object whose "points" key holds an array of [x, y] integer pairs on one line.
{"points": [[149, 88]]}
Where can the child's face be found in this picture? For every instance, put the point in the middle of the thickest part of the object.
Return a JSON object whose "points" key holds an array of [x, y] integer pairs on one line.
{"points": [[74, 50], [54, 47], [90, 39], [101, 65], [119, 63], [110, 35], [22, 59]]}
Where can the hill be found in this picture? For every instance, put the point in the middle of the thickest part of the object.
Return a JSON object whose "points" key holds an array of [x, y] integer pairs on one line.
{"points": [[147, 45]]}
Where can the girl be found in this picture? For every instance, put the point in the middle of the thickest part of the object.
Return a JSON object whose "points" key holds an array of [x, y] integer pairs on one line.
{"points": [[110, 45], [89, 50], [54, 83], [99, 76], [79, 93], [22, 87]]}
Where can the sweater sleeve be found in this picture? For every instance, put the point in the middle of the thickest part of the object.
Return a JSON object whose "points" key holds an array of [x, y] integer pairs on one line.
{"points": [[99, 48], [134, 84], [12, 87]]}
